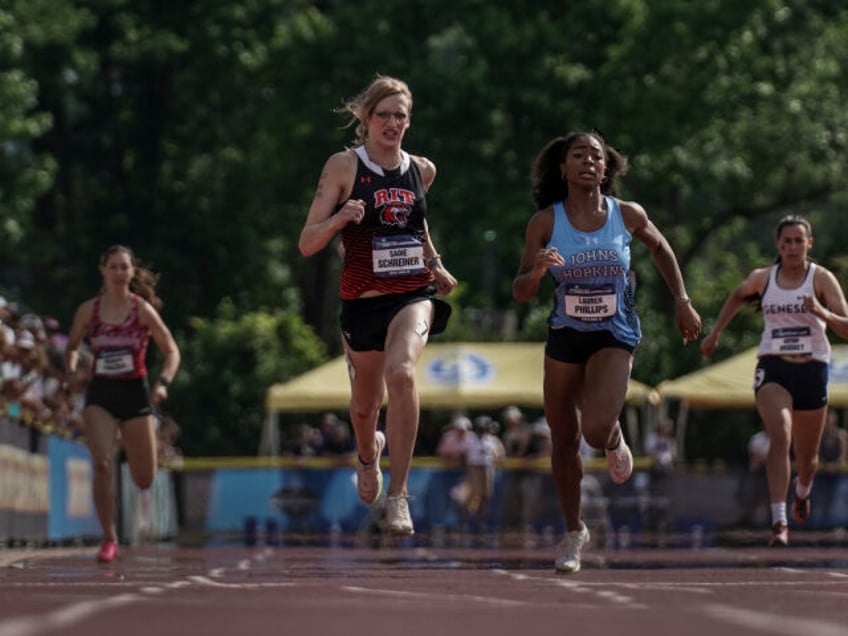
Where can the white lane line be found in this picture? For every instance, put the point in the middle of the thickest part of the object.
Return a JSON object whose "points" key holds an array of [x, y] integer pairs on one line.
{"points": [[773, 624], [428, 596], [202, 580], [603, 594], [64, 617]]}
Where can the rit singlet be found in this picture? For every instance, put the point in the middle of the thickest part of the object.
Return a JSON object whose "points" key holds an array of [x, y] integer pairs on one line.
{"points": [[789, 329], [594, 289], [119, 350], [385, 252]]}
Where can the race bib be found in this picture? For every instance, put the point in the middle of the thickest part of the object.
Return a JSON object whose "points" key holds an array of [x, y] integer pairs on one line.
{"points": [[792, 341], [399, 255], [114, 362], [590, 304]]}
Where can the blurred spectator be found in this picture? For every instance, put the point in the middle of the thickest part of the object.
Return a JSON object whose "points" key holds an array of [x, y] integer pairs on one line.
{"points": [[524, 484], [303, 445], [833, 452], [484, 451], [54, 333], [32, 360], [334, 438], [515, 432], [325, 430], [34, 325], [34, 386], [337, 441], [167, 433], [453, 443], [752, 493], [661, 448]]}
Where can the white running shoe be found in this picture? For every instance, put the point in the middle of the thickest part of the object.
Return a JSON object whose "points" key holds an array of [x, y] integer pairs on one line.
{"points": [[398, 520], [570, 550], [620, 462], [369, 477]]}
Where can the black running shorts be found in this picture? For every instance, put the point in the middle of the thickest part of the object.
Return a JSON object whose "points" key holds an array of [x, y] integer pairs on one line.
{"points": [[124, 399], [365, 321]]}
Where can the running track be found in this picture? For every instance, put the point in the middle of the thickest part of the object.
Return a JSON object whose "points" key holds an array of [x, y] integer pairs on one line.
{"points": [[412, 591]]}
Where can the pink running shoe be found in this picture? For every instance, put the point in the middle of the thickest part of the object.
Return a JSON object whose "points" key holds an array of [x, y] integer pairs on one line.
{"points": [[108, 552]]}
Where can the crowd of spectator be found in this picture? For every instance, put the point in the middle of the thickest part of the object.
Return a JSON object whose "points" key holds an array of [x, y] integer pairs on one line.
{"points": [[333, 438], [36, 390]]}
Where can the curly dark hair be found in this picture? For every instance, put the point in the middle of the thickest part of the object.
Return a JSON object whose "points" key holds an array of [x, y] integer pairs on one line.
{"points": [[547, 184]]}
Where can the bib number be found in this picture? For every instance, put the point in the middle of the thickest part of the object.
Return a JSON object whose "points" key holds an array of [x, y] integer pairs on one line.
{"points": [[590, 304], [792, 341], [400, 255], [114, 362]]}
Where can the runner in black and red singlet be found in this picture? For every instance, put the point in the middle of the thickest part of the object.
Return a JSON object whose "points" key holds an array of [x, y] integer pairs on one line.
{"points": [[374, 196]]}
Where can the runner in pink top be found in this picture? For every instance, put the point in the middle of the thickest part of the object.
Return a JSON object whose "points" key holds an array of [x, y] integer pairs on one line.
{"points": [[118, 324]]}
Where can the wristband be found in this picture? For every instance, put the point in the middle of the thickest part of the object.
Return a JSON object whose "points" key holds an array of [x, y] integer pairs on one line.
{"points": [[683, 300], [432, 261], [163, 381]]}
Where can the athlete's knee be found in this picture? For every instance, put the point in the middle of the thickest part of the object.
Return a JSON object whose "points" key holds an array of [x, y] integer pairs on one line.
{"points": [[400, 378], [103, 467], [363, 412], [779, 442]]}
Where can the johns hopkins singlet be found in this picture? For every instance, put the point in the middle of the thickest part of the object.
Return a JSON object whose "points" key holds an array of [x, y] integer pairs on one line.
{"points": [[385, 251], [789, 328], [594, 289], [118, 350]]}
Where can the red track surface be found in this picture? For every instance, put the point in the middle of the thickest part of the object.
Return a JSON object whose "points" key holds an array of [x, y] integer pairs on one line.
{"points": [[411, 591]]}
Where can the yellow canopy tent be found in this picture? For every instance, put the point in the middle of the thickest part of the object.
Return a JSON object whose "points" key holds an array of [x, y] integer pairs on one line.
{"points": [[729, 384], [451, 375]]}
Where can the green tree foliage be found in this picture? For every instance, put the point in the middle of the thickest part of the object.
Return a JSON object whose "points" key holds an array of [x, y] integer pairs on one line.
{"points": [[231, 359], [25, 171], [195, 132]]}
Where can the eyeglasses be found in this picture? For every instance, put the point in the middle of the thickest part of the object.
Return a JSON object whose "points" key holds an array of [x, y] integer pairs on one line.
{"points": [[386, 116]]}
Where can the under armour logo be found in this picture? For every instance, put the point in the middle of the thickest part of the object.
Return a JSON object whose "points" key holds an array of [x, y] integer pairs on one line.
{"points": [[365, 179]]}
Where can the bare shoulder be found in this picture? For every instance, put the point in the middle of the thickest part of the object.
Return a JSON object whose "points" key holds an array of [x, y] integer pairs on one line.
{"points": [[426, 167], [825, 282], [634, 215], [147, 312], [341, 162], [82, 317], [85, 309], [823, 274], [757, 279], [541, 224]]}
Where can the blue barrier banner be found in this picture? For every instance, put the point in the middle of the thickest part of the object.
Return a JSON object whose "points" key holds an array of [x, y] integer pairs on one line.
{"points": [[317, 500], [247, 501], [72, 511]]}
